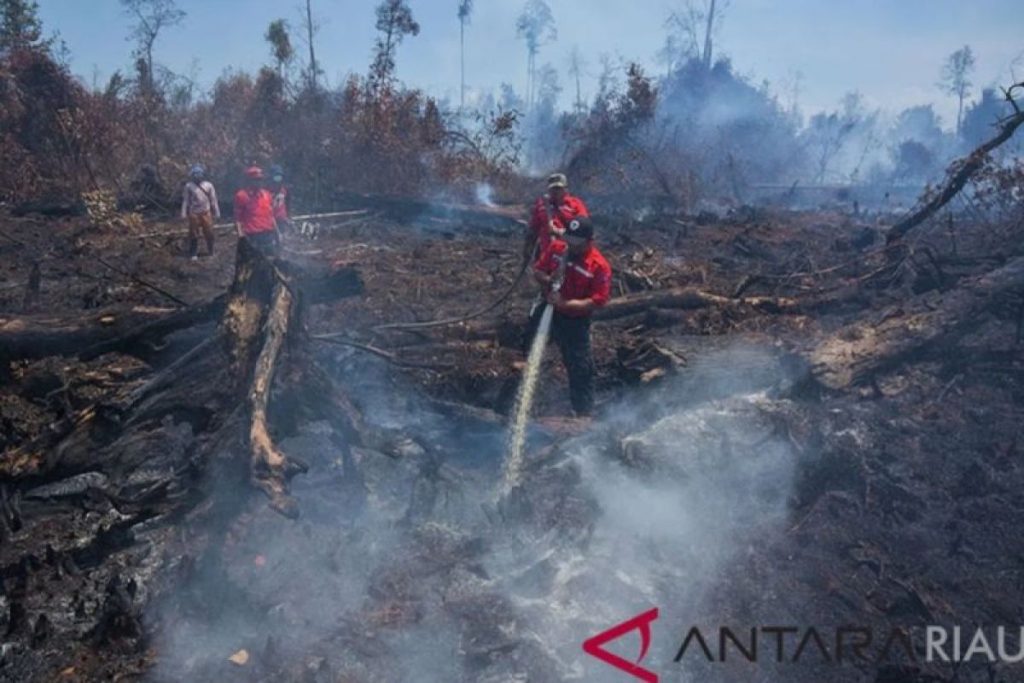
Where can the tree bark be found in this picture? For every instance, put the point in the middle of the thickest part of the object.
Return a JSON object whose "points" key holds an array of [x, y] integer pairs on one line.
{"points": [[270, 468]]}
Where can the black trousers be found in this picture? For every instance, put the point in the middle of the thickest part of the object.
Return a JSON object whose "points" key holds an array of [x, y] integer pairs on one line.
{"points": [[267, 242], [572, 335]]}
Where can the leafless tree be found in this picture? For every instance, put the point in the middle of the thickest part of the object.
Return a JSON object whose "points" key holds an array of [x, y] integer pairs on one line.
{"points": [[577, 65], [311, 27], [714, 17], [394, 22], [607, 79], [671, 51], [151, 17], [791, 87], [956, 73], [828, 133], [465, 13], [691, 31], [536, 26]]}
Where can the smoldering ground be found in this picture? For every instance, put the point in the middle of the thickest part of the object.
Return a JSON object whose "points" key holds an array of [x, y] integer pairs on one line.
{"points": [[406, 567]]}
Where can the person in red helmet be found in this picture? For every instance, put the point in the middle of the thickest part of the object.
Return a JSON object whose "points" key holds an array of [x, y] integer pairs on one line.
{"points": [[254, 213], [551, 214]]}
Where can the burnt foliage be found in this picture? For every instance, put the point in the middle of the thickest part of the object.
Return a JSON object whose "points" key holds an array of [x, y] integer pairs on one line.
{"points": [[59, 139]]}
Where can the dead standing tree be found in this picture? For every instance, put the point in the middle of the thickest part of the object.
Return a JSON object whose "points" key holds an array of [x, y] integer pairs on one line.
{"points": [[311, 27], [956, 81], [151, 18], [465, 13], [394, 22], [536, 26]]}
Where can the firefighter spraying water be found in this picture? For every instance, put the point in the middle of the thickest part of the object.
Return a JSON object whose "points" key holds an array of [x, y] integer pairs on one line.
{"points": [[577, 280]]}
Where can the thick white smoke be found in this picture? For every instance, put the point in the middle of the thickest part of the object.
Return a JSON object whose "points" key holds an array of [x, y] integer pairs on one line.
{"points": [[403, 569]]}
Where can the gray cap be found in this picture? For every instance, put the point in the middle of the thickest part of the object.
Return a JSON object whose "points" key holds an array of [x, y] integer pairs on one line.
{"points": [[557, 180]]}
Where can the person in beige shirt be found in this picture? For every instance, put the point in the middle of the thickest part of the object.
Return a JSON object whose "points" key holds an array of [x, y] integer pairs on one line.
{"points": [[199, 207]]}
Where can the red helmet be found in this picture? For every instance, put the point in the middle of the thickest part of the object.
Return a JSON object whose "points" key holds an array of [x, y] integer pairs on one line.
{"points": [[254, 172]]}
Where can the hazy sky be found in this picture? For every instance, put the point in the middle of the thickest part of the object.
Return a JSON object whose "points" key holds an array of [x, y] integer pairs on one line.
{"points": [[890, 50]]}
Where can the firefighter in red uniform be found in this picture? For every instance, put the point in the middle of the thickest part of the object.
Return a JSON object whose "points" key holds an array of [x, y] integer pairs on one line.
{"points": [[551, 215], [254, 213], [586, 279]]}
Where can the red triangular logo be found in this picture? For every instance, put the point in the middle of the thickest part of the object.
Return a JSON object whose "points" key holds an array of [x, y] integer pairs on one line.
{"points": [[641, 622]]}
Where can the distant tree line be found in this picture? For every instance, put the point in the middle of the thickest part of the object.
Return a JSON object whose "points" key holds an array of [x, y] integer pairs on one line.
{"points": [[698, 129], [137, 134]]}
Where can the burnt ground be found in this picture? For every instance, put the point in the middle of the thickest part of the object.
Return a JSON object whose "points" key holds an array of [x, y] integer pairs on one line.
{"points": [[731, 477]]}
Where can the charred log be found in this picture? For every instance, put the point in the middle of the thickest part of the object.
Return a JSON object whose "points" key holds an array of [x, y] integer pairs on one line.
{"points": [[634, 308], [94, 334], [230, 375], [125, 330]]}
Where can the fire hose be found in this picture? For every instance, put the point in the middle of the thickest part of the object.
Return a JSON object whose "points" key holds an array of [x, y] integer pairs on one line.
{"points": [[454, 321], [484, 311]]}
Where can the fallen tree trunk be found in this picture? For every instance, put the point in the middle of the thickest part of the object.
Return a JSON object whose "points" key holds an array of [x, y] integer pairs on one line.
{"points": [[270, 468], [858, 352], [39, 336], [960, 171], [506, 331], [124, 329], [688, 299], [157, 329]]}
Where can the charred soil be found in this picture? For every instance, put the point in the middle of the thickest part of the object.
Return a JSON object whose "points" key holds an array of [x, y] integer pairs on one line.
{"points": [[866, 397]]}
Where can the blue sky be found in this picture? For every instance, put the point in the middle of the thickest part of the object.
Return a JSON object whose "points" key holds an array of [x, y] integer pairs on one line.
{"points": [[890, 50]]}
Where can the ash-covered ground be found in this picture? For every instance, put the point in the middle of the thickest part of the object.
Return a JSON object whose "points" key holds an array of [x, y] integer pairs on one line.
{"points": [[842, 450]]}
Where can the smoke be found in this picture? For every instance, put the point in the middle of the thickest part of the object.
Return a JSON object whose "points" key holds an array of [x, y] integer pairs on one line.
{"points": [[485, 194], [402, 569], [668, 508]]}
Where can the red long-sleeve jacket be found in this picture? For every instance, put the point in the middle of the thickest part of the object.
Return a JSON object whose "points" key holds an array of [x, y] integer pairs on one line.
{"points": [[254, 210], [544, 211], [586, 277]]}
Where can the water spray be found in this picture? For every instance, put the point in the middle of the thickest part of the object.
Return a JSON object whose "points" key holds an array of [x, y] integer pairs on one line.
{"points": [[527, 389]]}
